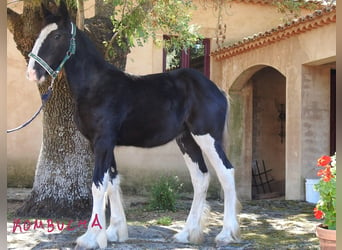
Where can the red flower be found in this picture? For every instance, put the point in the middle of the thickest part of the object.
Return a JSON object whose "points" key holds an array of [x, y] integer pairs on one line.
{"points": [[318, 213], [321, 172], [323, 161], [326, 173]]}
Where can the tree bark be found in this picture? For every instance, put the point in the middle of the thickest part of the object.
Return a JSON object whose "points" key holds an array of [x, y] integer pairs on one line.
{"points": [[25, 27], [100, 28], [63, 174], [80, 15], [62, 184]]}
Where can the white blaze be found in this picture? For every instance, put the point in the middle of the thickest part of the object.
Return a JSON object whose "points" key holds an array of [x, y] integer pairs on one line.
{"points": [[31, 74]]}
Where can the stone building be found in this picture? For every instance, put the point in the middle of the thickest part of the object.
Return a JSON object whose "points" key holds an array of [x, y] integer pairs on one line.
{"points": [[282, 85]]}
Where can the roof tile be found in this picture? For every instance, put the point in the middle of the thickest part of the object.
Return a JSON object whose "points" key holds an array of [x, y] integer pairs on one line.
{"points": [[283, 31]]}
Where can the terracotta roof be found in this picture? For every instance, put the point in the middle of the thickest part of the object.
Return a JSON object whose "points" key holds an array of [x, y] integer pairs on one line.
{"points": [[295, 27], [272, 1], [255, 1]]}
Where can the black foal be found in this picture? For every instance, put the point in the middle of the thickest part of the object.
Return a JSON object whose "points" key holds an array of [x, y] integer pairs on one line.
{"points": [[117, 109]]}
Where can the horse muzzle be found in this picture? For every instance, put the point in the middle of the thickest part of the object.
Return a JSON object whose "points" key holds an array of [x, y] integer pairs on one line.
{"points": [[32, 75]]}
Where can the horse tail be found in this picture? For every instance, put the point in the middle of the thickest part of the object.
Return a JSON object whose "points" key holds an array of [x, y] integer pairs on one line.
{"points": [[225, 142], [225, 137]]}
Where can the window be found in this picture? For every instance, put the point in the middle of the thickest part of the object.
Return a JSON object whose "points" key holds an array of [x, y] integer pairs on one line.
{"points": [[196, 57]]}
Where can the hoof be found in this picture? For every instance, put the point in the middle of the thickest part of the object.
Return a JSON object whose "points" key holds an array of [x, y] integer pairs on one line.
{"points": [[224, 239], [195, 237], [92, 240], [112, 234], [117, 234], [78, 247], [181, 237]]}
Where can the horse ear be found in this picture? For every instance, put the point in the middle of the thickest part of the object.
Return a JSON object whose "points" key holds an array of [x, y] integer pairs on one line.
{"points": [[46, 13], [63, 10]]}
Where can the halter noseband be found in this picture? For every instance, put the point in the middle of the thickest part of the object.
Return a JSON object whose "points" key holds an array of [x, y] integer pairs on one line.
{"points": [[53, 73], [69, 53]]}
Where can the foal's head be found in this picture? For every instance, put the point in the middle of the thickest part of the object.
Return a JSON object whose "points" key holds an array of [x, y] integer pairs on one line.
{"points": [[52, 43]]}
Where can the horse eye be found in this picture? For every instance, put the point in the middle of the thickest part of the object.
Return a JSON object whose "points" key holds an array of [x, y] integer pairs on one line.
{"points": [[57, 36]]}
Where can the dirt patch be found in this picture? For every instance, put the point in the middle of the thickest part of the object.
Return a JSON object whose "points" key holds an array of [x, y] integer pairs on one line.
{"points": [[265, 224]]}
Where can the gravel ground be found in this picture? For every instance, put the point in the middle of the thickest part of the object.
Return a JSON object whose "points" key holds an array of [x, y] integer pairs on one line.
{"points": [[265, 224]]}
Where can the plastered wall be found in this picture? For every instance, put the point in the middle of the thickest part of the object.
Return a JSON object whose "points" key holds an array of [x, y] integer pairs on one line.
{"points": [[306, 70], [242, 19]]}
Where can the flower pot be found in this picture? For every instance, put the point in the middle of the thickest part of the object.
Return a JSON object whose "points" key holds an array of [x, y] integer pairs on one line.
{"points": [[327, 238]]}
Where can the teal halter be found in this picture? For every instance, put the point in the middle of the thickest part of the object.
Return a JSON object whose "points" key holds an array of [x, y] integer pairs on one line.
{"points": [[69, 53], [53, 73]]}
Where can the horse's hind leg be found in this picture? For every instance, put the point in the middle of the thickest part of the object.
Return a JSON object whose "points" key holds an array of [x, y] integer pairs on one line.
{"points": [[117, 230], [225, 173], [193, 229]]}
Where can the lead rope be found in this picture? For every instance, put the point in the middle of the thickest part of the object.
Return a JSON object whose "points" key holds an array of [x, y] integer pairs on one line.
{"points": [[45, 97]]}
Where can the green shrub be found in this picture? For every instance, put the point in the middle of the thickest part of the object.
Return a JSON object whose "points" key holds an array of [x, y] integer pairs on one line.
{"points": [[164, 193], [165, 221]]}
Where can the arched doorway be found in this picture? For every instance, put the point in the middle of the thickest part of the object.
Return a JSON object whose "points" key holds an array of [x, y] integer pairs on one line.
{"points": [[268, 143], [257, 130]]}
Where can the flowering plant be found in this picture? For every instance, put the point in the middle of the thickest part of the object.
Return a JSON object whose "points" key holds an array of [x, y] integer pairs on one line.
{"points": [[326, 206]]}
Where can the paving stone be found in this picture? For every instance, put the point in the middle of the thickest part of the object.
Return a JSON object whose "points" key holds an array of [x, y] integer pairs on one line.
{"points": [[265, 224]]}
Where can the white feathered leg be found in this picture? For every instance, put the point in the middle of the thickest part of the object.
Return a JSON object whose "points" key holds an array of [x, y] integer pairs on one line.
{"points": [[231, 229], [193, 229], [117, 230], [96, 232]]}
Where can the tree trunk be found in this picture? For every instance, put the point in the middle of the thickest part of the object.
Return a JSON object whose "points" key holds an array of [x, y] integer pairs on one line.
{"points": [[100, 29], [63, 174], [62, 184]]}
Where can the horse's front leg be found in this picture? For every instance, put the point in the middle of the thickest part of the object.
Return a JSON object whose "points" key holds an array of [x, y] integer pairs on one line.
{"points": [[96, 233], [117, 230]]}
